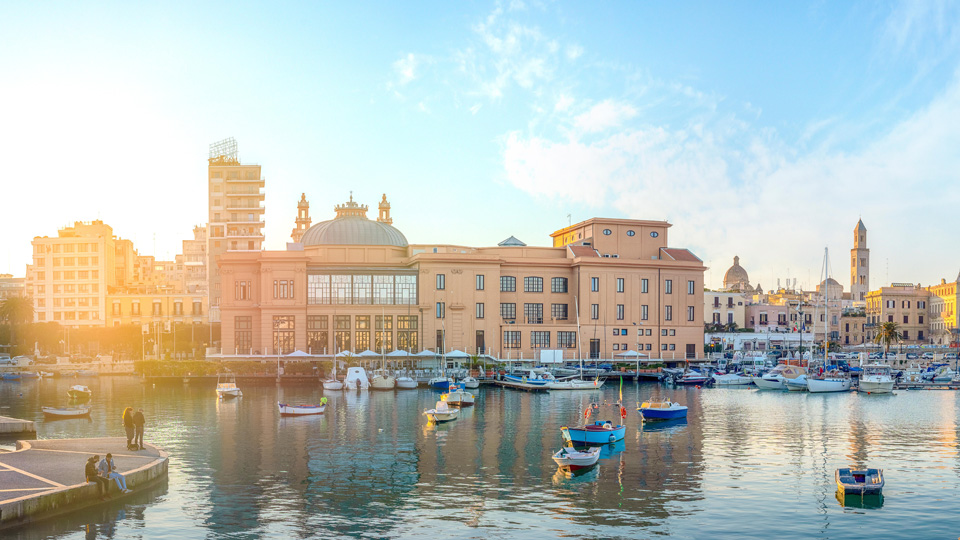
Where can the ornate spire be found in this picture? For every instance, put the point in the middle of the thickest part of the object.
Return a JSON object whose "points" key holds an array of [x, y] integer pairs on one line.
{"points": [[303, 218], [384, 216]]}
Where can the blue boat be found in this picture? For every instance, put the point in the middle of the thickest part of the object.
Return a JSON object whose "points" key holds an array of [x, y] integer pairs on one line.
{"points": [[11, 376], [661, 410], [523, 379], [600, 432], [860, 482], [440, 383]]}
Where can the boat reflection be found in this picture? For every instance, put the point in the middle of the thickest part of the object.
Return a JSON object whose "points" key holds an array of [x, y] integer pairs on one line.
{"points": [[664, 426], [848, 500], [580, 476], [608, 451]]}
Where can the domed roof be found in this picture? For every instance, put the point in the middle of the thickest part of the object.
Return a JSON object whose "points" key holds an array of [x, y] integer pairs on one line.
{"points": [[832, 282], [353, 230], [736, 274]]}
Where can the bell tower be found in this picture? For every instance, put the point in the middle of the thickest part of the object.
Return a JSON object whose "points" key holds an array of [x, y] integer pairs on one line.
{"points": [[303, 218], [859, 264], [384, 216]]}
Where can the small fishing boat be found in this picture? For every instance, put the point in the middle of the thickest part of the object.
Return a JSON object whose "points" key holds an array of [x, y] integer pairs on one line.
{"points": [[79, 391], [442, 412], [65, 412], [860, 482], [29, 375], [440, 383], [571, 460], [577, 384], [302, 410], [661, 410], [470, 382], [228, 389], [458, 397], [530, 379], [599, 432], [10, 376], [406, 383]]}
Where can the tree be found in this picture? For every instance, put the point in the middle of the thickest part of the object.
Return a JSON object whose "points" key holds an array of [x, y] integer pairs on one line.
{"points": [[887, 334], [16, 311]]}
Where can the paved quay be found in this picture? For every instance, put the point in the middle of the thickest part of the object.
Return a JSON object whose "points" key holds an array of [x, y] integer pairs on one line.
{"points": [[14, 426], [44, 478]]}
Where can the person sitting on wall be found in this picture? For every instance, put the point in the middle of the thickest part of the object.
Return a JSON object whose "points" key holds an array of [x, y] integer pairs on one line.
{"points": [[108, 469], [90, 472]]}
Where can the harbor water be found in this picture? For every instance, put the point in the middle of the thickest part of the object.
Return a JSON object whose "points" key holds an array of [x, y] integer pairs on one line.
{"points": [[745, 464]]}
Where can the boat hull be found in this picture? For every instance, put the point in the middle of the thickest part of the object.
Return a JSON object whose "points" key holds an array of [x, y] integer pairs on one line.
{"points": [[796, 385], [380, 382], [592, 435], [459, 399], [876, 387], [470, 382], [571, 460], [576, 384], [542, 383], [406, 383], [332, 385], [53, 413], [440, 383], [662, 414], [440, 417], [300, 410], [827, 385], [227, 394], [862, 482], [769, 384]]}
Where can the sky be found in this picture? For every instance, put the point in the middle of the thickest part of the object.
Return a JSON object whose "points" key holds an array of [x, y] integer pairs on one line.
{"points": [[764, 130]]}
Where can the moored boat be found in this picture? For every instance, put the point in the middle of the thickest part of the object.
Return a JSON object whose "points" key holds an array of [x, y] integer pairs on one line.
{"points": [[10, 376], [663, 409], [228, 389], [571, 460], [442, 413], [382, 380], [440, 383], [79, 391], [29, 375], [302, 410], [599, 432], [577, 384], [876, 379], [860, 482], [470, 382], [457, 396], [829, 382], [356, 379], [65, 412], [693, 377], [798, 384], [732, 379], [406, 383], [529, 378], [48, 374]]}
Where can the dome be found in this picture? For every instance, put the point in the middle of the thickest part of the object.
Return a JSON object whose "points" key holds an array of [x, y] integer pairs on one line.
{"points": [[353, 230], [735, 275]]}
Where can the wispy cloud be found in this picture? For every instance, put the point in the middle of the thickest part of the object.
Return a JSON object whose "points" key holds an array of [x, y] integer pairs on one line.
{"points": [[604, 115], [406, 68]]}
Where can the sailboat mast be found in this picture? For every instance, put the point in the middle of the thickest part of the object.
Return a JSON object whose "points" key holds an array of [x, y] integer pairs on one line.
{"points": [[576, 304], [826, 305]]}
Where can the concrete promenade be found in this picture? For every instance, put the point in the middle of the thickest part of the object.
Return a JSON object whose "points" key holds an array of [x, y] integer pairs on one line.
{"points": [[44, 478], [13, 426]]}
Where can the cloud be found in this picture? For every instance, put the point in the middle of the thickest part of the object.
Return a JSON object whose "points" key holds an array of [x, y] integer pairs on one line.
{"points": [[563, 103], [605, 115], [406, 68], [574, 52], [475, 108]]}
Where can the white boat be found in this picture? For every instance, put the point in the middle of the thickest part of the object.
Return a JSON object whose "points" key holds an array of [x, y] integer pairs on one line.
{"points": [[332, 384], [913, 374], [798, 384], [470, 382], [776, 378], [876, 379], [47, 374], [66, 412], [829, 382], [572, 460], [356, 379], [442, 412], [732, 379], [228, 389], [456, 395], [383, 380], [79, 391], [943, 375], [302, 410], [406, 383], [577, 384]]}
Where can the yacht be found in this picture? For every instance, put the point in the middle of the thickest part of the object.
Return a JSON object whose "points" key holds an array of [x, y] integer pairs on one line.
{"points": [[406, 383], [833, 381], [382, 380], [776, 379], [876, 379], [356, 379]]}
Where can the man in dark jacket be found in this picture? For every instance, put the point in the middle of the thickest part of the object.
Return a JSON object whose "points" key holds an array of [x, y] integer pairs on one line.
{"points": [[90, 471], [138, 422], [127, 418]]}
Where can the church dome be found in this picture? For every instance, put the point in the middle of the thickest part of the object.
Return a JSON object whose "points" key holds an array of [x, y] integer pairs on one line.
{"points": [[735, 275], [353, 230]]}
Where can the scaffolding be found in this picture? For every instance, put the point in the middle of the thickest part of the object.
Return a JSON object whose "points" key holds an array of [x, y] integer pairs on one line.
{"points": [[224, 152]]}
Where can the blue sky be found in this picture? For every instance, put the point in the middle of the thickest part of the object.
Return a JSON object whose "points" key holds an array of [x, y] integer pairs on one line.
{"points": [[760, 130]]}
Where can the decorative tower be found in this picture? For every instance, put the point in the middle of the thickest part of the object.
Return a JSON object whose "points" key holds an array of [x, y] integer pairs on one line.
{"points": [[859, 264], [385, 211], [303, 218]]}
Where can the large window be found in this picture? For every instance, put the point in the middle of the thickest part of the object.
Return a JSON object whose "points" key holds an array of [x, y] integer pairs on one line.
{"points": [[558, 285], [317, 334], [558, 311], [384, 333], [318, 289], [407, 332], [540, 340], [533, 284], [340, 288], [360, 289], [406, 290], [533, 313], [508, 311], [243, 334], [567, 340], [283, 334], [508, 284], [479, 282], [383, 290], [441, 282], [511, 339], [363, 333]]}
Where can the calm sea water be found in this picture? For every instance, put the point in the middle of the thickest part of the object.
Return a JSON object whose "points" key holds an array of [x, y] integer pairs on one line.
{"points": [[746, 464]]}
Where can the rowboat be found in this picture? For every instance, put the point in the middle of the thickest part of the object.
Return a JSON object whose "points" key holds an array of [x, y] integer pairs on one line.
{"points": [[860, 482], [29, 375], [10, 376], [661, 410], [302, 410], [406, 383], [571, 460], [577, 384], [79, 391], [442, 413], [65, 412], [599, 432]]}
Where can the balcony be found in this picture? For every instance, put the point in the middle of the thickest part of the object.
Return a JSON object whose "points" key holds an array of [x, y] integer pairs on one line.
{"points": [[247, 193], [257, 208], [259, 182]]}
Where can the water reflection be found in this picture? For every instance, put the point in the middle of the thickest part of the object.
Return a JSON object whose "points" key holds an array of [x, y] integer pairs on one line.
{"points": [[859, 501]]}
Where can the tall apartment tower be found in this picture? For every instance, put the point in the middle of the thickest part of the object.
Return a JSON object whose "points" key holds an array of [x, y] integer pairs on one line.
{"points": [[859, 264], [303, 218], [235, 211]]}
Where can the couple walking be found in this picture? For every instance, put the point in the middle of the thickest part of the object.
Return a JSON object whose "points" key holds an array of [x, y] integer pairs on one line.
{"points": [[133, 424]]}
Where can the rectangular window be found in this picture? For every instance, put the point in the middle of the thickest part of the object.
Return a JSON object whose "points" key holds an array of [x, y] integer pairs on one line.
{"points": [[558, 311], [511, 339], [620, 311], [558, 285], [690, 286], [116, 309], [533, 284], [533, 313], [383, 290], [342, 339], [383, 339], [644, 285], [441, 310], [594, 284], [407, 332], [318, 336], [508, 311], [479, 310], [594, 311], [668, 313], [362, 289], [540, 340], [906, 335], [567, 340], [480, 342], [508, 284], [644, 312], [920, 321], [283, 334], [243, 333], [362, 340], [441, 282], [440, 344], [135, 308], [691, 313], [668, 286], [619, 284], [197, 308], [479, 282], [157, 309], [906, 319], [178, 308]]}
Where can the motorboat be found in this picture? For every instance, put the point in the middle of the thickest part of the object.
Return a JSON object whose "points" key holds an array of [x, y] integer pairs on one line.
{"points": [[47, 374], [732, 379], [228, 389], [442, 412], [913, 374], [302, 410], [776, 378], [663, 409], [570, 460], [10, 376], [876, 379], [440, 383], [456, 395], [406, 383], [599, 432], [382, 380], [798, 384], [54, 413], [577, 384], [943, 375], [829, 382], [29, 375], [531, 378], [694, 377], [332, 384], [470, 382], [356, 379], [860, 482], [79, 391]]}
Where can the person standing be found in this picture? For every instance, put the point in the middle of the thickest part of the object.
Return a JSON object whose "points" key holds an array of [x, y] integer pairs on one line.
{"points": [[128, 426], [108, 469], [138, 422], [90, 471]]}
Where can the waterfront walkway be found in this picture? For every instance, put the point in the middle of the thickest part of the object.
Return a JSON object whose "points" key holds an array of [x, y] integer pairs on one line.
{"points": [[44, 478]]}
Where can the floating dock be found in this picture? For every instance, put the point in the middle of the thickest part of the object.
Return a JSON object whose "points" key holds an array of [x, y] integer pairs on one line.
{"points": [[15, 426]]}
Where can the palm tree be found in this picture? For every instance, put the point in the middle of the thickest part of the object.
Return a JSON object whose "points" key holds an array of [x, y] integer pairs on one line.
{"points": [[16, 311], [887, 334]]}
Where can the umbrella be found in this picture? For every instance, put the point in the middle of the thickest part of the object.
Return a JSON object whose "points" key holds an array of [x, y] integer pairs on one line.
{"points": [[425, 353], [632, 354], [398, 353], [369, 354], [298, 354], [457, 354], [344, 353]]}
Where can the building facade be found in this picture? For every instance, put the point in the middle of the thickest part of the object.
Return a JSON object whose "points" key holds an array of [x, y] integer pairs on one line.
{"points": [[859, 265], [11, 286], [726, 309], [944, 299], [903, 303], [356, 284]]}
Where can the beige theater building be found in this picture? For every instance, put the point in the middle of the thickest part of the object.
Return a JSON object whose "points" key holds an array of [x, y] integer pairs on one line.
{"points": [[353, 283]]}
